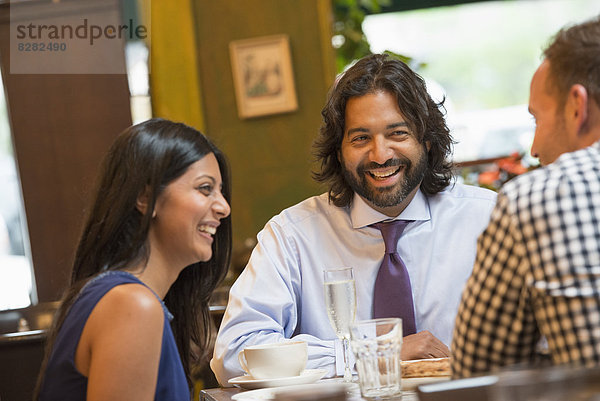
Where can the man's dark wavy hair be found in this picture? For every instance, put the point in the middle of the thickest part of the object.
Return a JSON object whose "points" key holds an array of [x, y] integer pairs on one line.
{"points": [[374, 73]]}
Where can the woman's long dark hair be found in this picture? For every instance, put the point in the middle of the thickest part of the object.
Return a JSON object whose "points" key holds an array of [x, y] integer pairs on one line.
{"points": [[145, 158], [381, 72]]}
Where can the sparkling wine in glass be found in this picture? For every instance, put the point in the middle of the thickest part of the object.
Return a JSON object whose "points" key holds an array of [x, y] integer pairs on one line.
{"points": [[340, 300]]}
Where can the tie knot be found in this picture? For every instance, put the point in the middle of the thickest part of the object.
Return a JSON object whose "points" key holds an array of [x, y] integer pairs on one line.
{"points": [[391, 232]]}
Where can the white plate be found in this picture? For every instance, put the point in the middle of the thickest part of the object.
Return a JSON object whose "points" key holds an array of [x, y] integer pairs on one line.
{"points": [[411, 383], [269, 393], [308, 376]]}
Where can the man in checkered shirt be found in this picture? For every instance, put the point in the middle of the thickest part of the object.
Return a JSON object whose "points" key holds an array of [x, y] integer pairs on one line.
{"points": [[537, 271]]}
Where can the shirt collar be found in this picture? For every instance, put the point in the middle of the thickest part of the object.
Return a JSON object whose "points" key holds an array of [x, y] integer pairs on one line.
{"points": [[363, 215]]}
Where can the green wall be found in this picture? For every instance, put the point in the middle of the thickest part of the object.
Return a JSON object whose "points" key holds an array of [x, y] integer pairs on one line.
{"points": [[270, 156]]}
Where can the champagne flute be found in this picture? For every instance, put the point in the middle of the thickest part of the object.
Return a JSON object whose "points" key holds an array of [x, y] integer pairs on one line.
{"points": [[340, 300]]}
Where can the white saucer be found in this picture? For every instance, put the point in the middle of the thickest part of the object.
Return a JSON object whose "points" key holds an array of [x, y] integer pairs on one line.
{"points": [[269, 393], [307, 376]]}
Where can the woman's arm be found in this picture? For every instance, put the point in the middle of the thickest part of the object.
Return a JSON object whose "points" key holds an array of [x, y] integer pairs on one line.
{"points": [[119, 349]]}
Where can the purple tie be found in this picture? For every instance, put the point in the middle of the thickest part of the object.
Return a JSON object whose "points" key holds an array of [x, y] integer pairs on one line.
{"points": [[392, 296]]}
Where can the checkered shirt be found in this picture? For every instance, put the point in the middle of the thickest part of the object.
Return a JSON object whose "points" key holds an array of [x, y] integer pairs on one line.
{"points": [[537, 271]]}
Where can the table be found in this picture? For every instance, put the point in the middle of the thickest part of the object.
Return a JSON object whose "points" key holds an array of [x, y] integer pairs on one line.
{"points": [[218, 394], [225, 394]]}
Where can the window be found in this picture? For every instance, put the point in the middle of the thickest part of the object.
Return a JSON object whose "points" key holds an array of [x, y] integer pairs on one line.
{"points": [[481, 56], [16, 277], [136, 56], [137, 60]]}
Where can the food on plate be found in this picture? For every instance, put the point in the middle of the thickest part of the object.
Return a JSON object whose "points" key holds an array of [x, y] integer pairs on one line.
{"points": [[426, 367]]}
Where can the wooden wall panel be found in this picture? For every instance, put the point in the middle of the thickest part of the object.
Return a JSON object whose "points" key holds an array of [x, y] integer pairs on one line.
{"points": [[61, 126]]}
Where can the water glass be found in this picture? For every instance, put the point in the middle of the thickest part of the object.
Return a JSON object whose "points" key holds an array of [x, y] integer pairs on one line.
{"points": [[376, 345]]}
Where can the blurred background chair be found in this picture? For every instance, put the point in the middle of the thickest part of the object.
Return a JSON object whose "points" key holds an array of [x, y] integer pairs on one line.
{"points": [[22, 341]]}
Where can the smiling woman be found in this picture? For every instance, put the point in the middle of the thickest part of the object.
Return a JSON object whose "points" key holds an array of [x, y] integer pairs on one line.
{"points": [[156, 244], [193, 201]]}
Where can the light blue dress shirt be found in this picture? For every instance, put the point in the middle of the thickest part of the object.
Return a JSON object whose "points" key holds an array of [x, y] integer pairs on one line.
{"points": [[280, 292]]}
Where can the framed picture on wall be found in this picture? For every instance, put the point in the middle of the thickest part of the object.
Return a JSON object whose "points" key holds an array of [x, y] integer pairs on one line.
{"points": [[263, 76]]}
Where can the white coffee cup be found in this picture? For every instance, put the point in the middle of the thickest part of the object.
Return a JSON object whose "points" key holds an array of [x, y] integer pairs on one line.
{"points": [[271, 361]]}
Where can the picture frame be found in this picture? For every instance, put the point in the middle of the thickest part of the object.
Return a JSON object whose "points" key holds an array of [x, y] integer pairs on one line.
{"points": [[263, 76]]}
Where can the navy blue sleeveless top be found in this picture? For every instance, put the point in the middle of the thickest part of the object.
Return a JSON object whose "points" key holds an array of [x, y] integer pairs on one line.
{"points": [[63, 381]]}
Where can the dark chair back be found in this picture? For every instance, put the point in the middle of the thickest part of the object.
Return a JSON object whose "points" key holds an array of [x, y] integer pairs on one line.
{"points": [[22, 352]]}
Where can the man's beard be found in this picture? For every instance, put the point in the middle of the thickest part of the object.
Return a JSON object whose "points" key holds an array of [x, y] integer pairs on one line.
{"points": [[392, 195]]}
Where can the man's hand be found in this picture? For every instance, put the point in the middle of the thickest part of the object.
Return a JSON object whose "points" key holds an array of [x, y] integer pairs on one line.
{"points": [[423, 345]]}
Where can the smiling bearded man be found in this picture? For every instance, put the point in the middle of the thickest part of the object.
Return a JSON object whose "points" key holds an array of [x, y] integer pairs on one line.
{"points": [[383, 150], [386, 196]]}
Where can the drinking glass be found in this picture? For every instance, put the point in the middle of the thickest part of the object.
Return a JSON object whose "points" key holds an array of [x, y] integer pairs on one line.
{"points": [[376, 344], [340, 300]]}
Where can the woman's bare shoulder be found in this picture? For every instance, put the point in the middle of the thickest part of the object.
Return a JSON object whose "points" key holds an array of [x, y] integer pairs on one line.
{"points": [[127, 322], [130, 304]]}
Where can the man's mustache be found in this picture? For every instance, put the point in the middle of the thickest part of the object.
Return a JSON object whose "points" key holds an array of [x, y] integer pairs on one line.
{"points": [[389, 163]]}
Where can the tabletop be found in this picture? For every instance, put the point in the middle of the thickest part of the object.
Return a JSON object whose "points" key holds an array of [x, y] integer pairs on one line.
{"points": [[219, 394], [226, 394]]}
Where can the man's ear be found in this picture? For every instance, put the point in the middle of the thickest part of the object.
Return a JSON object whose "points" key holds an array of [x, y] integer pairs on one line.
{"points": [[576, 110], [142, 201]]}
